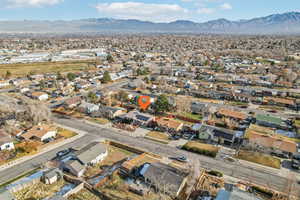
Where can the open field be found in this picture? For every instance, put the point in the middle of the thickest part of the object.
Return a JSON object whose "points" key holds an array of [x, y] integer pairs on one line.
{"points": [[45, 67], [259, 158], [201, 148]]}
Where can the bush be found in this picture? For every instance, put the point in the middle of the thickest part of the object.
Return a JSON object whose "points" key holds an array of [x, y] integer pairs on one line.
{"points": [[200, 151], [262, 191], [215, 173]]}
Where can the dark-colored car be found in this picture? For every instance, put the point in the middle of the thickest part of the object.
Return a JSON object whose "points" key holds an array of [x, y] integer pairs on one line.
{"points": [[296, 157], [175, 137], [280, 154], [295, 164], [180, 158], [63, 152]]}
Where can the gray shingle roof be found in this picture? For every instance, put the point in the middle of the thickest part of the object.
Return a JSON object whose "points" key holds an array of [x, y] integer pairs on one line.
{"points": [[90, 152]]}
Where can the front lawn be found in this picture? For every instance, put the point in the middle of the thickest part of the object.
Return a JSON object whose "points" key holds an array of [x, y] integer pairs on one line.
{"points": [[66, 133], [101, 121], [191, 116], [158, 136], [201, 148], [259, 158]]}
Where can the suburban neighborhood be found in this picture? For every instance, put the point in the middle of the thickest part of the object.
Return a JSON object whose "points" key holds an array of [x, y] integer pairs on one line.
{"points": [[150, 117]]}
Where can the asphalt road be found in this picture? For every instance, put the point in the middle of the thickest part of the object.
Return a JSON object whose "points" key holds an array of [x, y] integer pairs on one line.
{"points": [[258, 175], [28, 165]]}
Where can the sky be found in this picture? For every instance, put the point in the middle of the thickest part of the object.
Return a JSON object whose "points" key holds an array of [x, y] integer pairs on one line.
{"points": [[149, 10]]}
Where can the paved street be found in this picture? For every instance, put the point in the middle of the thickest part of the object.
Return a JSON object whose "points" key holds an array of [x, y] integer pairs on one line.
{"points": [[18, 170], [260, 175]]}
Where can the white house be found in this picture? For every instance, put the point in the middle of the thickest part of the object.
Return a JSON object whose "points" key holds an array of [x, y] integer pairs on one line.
{"points": [[88, 107], [42, 96], [6, 142], [92, 153], [40, 133], [51, 176], [4, 83]]}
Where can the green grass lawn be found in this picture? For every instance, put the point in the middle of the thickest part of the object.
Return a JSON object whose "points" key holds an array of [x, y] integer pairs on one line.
{"points": [[191, 116]]}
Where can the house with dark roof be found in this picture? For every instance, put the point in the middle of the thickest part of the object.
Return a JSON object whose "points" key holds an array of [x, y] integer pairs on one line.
{"points": [[272, 121], [136, 117], [163, 177]]}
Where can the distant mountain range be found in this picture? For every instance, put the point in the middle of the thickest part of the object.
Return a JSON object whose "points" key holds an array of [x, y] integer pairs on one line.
{"points": [[286, 23]]}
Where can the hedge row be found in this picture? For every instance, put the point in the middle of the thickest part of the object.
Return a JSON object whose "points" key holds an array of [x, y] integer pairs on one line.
{"points": [[204, 152]]}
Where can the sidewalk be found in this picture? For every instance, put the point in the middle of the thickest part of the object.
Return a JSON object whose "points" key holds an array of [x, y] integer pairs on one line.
{"points": [[47, 149]]}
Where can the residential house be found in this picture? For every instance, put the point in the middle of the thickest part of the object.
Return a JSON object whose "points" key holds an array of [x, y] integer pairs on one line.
{"points": [[89, 155], [88, 107], [163, 177], [199, 108], [41, 96], [232, 114], [216, 134], [136, 84], [272, 121], [138, 118], [289, 103], [4, 83], [51, 176], [168, 124], [92, 154], [6, 141], [204, 133], [109, 112], [236, 194], [269, 141], [73, 166], [40, 132], [72, 102], [224, 136]]}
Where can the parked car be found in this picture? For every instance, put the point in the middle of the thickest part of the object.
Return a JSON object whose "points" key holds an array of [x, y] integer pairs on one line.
{"points": [[49, 140], [296, 164], [279, 154], [63, 152], [179, 158], [296, 157], [175, 137], [188, 136]]}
